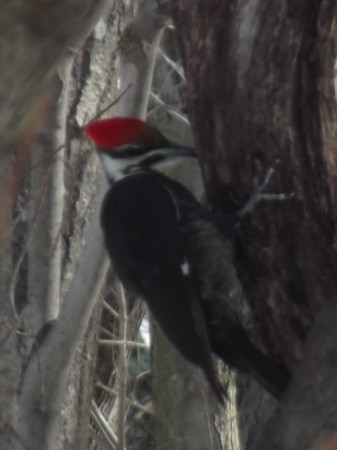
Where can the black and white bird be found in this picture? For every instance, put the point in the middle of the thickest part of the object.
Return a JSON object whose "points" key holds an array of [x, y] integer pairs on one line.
{"points": [[169, 250]]}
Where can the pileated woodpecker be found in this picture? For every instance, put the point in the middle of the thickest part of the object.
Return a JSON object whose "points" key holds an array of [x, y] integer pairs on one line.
{"points": [[168, 249]]}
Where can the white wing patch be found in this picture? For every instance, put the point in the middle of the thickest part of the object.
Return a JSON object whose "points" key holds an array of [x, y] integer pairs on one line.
{"points": [[185, 267]]}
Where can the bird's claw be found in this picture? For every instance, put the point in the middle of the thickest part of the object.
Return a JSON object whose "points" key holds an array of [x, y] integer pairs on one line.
{"points": [[259, 195]]}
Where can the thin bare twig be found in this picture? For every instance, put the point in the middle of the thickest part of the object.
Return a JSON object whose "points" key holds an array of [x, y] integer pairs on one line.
{"points": [[106, 332], [105, 388], [170, 110], [108, 107], [173, 65], [111, 310], [122, 366], [143, 374], [165, 82], [80, 129], [141, 408], [113, 342], [103, 425]]}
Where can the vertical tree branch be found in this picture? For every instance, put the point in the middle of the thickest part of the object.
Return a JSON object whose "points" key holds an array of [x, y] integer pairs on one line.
{"points": [[44, 254], [58, 347]]}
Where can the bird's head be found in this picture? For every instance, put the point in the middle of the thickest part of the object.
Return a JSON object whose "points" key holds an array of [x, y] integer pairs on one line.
{"points": [[128, 144]]}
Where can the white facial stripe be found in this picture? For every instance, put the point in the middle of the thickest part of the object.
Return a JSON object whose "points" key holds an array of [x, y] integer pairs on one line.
{"points": [[117, 168]]}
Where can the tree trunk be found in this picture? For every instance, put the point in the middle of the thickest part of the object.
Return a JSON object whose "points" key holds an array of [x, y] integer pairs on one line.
{"points": [[261, 89], [46, 373]]}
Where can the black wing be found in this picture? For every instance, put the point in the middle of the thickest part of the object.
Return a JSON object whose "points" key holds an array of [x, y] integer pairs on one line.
{"points": [[142, 232]]}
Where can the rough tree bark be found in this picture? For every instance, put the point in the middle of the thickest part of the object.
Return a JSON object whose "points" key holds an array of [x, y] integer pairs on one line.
{"points": [[260, 88], [34, 38], [30, 413]]}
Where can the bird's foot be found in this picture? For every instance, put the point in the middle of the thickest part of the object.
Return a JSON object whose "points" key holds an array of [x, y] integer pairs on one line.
{"points": [[259, 193]]}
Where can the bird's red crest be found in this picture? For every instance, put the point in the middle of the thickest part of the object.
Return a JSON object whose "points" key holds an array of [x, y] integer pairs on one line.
{"points": [[118, 131]]}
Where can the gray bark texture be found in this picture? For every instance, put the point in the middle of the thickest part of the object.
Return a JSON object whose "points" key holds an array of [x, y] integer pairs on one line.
{"points": [[34, 38], [260, 88], [50, 84]]}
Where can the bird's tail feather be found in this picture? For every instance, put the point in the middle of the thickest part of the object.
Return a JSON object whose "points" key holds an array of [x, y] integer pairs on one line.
{"points": [[237, 351]]}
